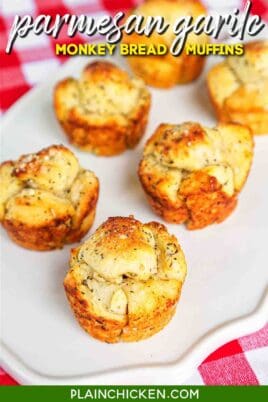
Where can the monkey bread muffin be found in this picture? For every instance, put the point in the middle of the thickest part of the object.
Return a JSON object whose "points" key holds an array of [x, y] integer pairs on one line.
{"points": [[193, 174], [124, 281], [47, 199], [238, 88], [167, 70], [105, 111]]}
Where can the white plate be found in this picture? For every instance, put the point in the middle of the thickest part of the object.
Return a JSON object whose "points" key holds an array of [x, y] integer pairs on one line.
{"points": [[227, 263]]}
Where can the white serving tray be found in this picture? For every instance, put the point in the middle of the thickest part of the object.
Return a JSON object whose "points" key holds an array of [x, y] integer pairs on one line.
{"points": [[224, 293]]}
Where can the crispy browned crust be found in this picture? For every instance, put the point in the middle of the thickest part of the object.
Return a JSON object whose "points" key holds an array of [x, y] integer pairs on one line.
{"points": [[155, 76], [201, 199], [52, 236], [255, 119], [244, 102], [41, 238], [166, 71], [108, 135], [202, 207], [130, 330], [108, 139], [54, 232], [141, 321], [198, 210]]}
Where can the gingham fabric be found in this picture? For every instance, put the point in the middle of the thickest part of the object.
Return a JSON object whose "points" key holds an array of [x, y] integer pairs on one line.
{"points": [[241, 362]]}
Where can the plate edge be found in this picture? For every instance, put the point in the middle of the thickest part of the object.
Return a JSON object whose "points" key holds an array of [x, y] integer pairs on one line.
{"points": [[147, 374]]}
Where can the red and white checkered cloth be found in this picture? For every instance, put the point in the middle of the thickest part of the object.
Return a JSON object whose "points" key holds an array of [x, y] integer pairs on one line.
{"points": [[241, 362]]}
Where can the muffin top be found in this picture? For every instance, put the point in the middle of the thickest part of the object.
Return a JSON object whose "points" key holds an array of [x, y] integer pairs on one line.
{"points": [[44, 186], [103, 92], [244, 82], [174, 152], [126, 266], [252, 67]]}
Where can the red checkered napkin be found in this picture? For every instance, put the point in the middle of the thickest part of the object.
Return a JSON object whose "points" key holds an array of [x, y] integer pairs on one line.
{"points": [[241, 362], [33, 57]]}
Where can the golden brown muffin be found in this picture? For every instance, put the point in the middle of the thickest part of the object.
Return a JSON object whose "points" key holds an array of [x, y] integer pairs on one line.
{"points": [[105, 111], [47, 199], [124, 282], [165, 71], [193, 174], [238, 88]]}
